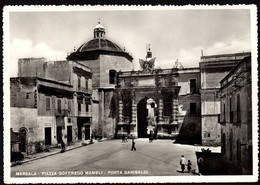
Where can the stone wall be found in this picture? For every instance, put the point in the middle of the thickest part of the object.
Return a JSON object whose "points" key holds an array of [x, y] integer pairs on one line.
{"points": [[116, 63], [22, 92], [31, 67], [95, 67], [34, 131]]}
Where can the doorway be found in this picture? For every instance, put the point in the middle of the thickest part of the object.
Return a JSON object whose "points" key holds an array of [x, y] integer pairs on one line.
{"points": [[47, 135], [69, 134], [22, 138], [87, 132], [79, 130], [142, 119], [230, 146], [224, 143], [59, 133]]}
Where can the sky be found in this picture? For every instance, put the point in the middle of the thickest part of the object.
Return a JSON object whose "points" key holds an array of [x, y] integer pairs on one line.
{"points": [[172, 33]]}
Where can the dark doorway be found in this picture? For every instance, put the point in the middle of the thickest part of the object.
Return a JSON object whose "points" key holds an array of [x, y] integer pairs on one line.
{"points": [[48, 136], [79, 131], [192, 108], [87, 132], [59, 133], [22, 138], [230, 146], [224, 143], [69, 134], [142, 119]]}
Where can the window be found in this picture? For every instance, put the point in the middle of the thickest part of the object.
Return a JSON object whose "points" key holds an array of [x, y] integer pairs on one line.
{"points": [[59, 105], [69, 106], [112, 76], [79, 81], [86, 107], [79, 106], [230, 111], [27, 95], [224, 113], [48, 103], [86, 81], [192, 108], [238, 109], [193, 86]]}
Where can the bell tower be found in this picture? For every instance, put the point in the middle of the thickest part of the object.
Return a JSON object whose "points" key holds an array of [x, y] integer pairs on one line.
{"points": [[99, 31]]}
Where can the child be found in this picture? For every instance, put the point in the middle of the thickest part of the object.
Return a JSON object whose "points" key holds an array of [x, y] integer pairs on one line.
{"points": [[189, 166]]}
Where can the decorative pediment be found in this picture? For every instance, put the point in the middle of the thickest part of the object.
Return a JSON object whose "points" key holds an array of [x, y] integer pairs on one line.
{"points": [[147, 65]]}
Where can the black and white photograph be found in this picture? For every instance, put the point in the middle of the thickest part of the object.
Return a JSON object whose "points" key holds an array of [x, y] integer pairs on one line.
{"points": [[130, 94]]}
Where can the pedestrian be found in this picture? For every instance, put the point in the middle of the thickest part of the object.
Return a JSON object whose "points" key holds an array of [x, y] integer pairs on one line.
{"points": [[62, 146], [126, 138], [200, 165], [182, 163], [189, 166], [151, 137], [133, 144], [123, 138]]}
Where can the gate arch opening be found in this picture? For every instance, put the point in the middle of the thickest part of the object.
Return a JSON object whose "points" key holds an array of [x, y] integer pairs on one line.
{"points": [[146, 119]]}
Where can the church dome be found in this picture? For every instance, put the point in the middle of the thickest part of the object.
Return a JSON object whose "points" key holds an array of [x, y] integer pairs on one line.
{"points": [[99, 44]]}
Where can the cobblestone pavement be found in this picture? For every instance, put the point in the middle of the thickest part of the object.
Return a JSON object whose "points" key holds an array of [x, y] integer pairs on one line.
{"points": [[112, 158]]}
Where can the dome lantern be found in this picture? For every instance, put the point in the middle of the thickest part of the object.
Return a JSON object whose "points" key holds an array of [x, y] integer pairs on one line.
{"points": [[99, 31]]}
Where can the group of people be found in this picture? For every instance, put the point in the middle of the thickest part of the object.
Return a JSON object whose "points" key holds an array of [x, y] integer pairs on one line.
{"points": [[183, 164], [189, 164], [124, 138]]}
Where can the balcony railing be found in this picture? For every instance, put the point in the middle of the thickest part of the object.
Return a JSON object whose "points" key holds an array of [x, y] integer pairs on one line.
{"points": [[61, 112], [84, 90], [84, 114]]}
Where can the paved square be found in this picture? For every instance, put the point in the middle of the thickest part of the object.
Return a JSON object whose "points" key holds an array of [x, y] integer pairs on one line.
{"points": [[158, 158]]}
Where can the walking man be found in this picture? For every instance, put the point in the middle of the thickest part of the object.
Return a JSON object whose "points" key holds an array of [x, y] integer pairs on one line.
{"points": [[133, 144], [182, 163], [62, 146]]}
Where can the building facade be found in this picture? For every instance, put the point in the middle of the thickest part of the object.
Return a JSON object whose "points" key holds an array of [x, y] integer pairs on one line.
{"points": [[236, 116], [213, 68], [105, 58], [95, 92], [57, 96]]}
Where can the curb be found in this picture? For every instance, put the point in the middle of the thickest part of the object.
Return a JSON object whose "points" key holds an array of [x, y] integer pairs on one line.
{"points": [[36, 158]]}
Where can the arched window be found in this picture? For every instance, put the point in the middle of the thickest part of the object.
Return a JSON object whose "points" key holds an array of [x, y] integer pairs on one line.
{"points": [[112, 76]]}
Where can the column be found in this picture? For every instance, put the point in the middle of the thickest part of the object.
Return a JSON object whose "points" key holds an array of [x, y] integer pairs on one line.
{"points": [[75, 104], [160, 124], [133, 123], [160, 110], [175, 115], [120, 111]]}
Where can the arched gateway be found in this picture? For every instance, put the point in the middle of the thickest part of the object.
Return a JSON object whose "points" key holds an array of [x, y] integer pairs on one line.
{"points": [[138, 89]]}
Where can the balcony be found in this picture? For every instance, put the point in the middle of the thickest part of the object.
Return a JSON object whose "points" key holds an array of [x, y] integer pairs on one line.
{"points": [[84, 114], [84, 90], [61, 112]]}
